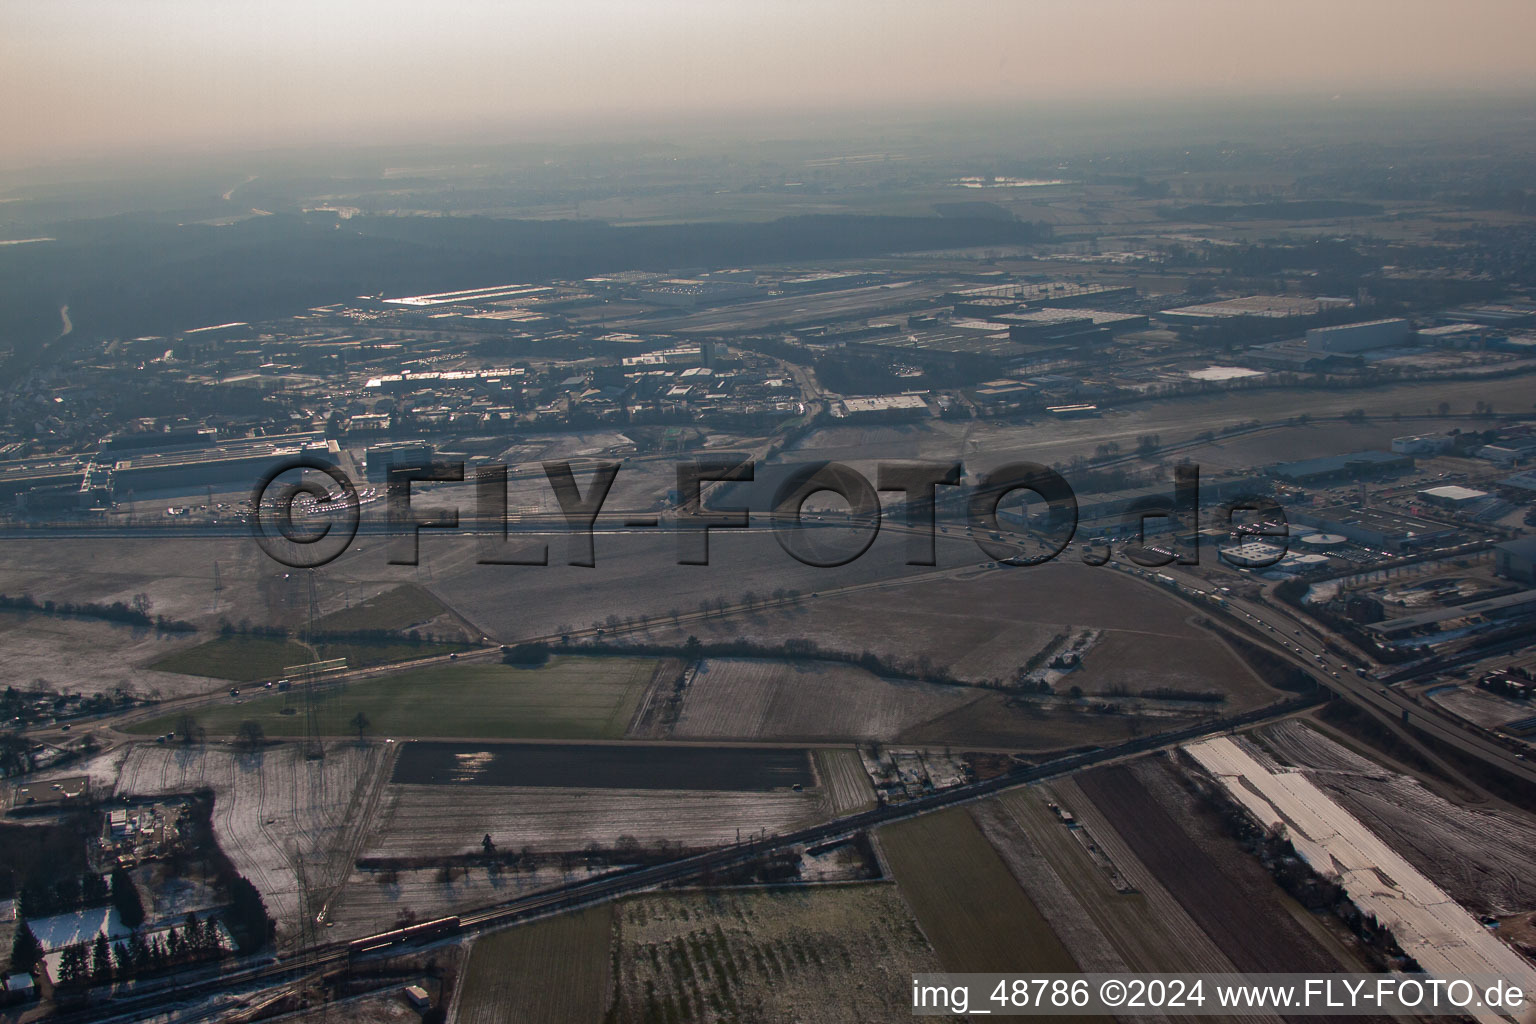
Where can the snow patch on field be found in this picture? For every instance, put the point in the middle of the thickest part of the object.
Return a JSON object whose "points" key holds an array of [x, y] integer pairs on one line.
{"points": [[61, 930]]}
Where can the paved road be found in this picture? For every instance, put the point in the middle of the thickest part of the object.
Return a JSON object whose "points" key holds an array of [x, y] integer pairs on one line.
{"points": [[245, 977], [1288, 632]]}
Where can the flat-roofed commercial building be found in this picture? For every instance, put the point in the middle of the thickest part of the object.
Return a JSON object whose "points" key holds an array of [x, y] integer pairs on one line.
{"points": [[1254, 307], [242, 461], [378, 459], [1359, 337], [884, 405], [1452, 496], [1423, 444], [1375, 528], [1337, 469], [1500, 610], [1516, 559], [23, 475], [1062, 294]]}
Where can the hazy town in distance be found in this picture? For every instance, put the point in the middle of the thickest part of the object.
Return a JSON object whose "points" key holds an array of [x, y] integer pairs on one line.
{"points": [[724, 570]]}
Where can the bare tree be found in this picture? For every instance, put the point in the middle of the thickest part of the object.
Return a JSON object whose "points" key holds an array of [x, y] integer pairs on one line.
{"points": [[189, 730], [250, 734]]}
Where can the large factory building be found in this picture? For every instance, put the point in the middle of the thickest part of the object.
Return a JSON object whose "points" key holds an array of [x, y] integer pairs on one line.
{"points": [[222, 464]]}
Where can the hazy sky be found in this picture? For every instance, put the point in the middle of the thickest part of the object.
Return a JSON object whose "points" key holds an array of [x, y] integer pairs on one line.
{"points": [[91, 76]]}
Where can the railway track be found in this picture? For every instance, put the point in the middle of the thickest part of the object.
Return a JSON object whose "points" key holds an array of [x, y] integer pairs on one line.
{"points": [[204, 985]]}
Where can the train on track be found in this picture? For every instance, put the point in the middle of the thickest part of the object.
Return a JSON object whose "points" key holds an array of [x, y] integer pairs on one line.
{"points": [[426, 930]]}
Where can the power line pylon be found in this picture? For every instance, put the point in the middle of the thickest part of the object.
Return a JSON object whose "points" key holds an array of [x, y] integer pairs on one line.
{"points": [[314, 747]]}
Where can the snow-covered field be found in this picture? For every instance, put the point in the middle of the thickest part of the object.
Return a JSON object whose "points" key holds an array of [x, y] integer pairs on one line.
{"points": [[59, 931], [1444, 938], [436, 820], [67, 655], [277, 815]]}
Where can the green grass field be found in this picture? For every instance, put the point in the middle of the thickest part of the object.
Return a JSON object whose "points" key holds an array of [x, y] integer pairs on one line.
{"points": [[569, 698], [238, 658], [245, 659]]}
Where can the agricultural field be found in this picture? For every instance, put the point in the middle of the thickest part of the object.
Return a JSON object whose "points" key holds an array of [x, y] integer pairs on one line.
{"points": [[1173, 419], [1311, 440], [200, 580], [995, 721], [603, 766], [966, 900], [374, 899], [245, 659], [1109, 910], [835, 953], [400, 608], [1225, 891], [240, 659], [986, 624], [289, 824], [557, 969], [568, 698], [844, 781], [203, 580], [1127, 662], [176, 574], [773, 700], [416, 821], [87, 656], [769, 700]]}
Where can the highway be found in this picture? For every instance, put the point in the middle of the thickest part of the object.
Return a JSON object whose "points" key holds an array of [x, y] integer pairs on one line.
{"points": [[1291, 634], [1281, 629]]}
